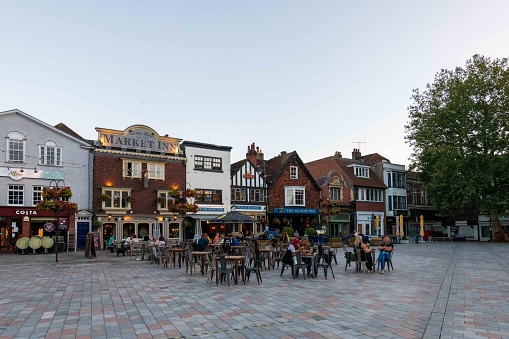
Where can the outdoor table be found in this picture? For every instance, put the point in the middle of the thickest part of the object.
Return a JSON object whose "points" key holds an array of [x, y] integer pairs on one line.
{"points": [[237, 249], [202, 256], [175, 251], [229, 259], [311, 260]]}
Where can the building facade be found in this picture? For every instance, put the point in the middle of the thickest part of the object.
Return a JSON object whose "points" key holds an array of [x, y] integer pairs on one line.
{"points": [[36, 155], [135, 171]]}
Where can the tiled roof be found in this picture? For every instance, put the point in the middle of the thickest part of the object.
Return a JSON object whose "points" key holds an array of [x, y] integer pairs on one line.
{"points": [[64, 128]]}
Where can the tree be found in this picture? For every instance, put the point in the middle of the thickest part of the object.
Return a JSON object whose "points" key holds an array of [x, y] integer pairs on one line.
{"points": [[458, 130]]}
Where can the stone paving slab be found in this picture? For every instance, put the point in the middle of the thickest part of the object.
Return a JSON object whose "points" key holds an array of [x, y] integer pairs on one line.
{"points": [[436, 290]]}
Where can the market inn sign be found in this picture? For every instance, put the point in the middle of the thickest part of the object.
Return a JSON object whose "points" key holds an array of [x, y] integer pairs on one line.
{"points": [[138, 137]]}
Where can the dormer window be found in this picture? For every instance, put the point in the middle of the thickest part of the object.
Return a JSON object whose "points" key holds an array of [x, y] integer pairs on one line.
{"points": [[361, 171], [294, 172]]}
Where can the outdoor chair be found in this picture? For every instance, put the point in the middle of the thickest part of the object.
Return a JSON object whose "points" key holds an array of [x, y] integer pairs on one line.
{"points": [[211, 258], [135, 250], [165, 256], [190, 263], [252, 269], [299, 265], [259, 261], [361, 264], [224, 270], [287, 262], [324, 261], [278, 255], [155, 256], [349, 256]]}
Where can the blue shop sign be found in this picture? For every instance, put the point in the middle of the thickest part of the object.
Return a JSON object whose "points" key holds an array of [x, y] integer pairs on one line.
{"points": [[251, 208], [295, 210]]}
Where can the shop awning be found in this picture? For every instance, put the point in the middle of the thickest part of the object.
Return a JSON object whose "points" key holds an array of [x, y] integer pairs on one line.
{"points": [[204, 216]]}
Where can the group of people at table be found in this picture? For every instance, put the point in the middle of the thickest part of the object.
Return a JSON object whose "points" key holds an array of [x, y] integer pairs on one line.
{"points": [[362, 243]]}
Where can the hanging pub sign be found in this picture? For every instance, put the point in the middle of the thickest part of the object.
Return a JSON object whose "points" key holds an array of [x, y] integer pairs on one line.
{"points": [[49, 227]]}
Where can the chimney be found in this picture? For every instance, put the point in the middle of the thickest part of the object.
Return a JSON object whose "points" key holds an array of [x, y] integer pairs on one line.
{"points": [[338, 155], [283, 153], [251, 154], [259, 154], [356, 154]]}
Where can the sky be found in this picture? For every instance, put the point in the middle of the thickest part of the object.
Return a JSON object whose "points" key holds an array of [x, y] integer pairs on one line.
{"points": [[314, 77]]}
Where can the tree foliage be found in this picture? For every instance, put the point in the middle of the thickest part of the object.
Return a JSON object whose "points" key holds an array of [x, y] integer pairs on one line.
{"points": [[458, 130]]}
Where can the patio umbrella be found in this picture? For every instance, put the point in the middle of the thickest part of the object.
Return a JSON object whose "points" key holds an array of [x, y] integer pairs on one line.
{"points": [[422, 226], [233, 217], [401, 225]]}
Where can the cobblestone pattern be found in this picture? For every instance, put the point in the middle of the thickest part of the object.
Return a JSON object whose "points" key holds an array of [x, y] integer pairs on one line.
{"points": [[437, 290]]}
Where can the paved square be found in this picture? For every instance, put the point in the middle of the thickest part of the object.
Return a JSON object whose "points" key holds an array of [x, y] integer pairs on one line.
{"points": [[437, 290]]}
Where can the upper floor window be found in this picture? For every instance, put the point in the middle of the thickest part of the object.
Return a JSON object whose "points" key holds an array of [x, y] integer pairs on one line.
{"points": [[132, 169], [238, 194], [294, 172], [15, 147], [164, 199], [424, 198], [370, 194], [335, 193], [396, 202], [207, 163], [155, 171], [295, 196], [50, 154], [209, 196], [256, 195], [396, 179], [36, 194], [15, 194], [116, 198], [361, 172]]}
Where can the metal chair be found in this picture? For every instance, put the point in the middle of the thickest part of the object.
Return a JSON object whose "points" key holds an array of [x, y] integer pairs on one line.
{"points": [[287, 262], [300, 265], [388, 262], [190, 263], [224, 270], [325, 261], [349, 256], [252, 269]]}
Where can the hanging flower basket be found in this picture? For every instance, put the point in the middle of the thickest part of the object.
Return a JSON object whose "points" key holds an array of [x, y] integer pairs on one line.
{"points": [[190, 193], [276, 221], [174, 193]]}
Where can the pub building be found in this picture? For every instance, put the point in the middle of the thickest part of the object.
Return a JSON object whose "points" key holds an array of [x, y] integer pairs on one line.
{"points": [[135, 172]]}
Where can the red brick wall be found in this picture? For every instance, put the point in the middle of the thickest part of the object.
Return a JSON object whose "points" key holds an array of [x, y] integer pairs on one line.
{"points": [[277, 190], [108, 168]]}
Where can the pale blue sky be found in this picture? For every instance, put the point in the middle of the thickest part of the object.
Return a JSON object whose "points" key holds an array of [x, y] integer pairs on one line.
{"points": [[310, 76]]}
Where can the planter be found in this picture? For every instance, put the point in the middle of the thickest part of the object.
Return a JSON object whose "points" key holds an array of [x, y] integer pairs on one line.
{"points": [[404, 241]]}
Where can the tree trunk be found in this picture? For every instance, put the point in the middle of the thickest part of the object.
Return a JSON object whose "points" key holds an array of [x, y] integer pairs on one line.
{"points": [[498, 231]]}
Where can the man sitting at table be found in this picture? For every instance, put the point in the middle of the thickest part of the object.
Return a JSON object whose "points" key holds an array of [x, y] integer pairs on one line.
{"points": [[203, 242], [385, 252], [235, 242]]}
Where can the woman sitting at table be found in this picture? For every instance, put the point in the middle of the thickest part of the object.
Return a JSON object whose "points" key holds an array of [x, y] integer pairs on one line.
{"points": [[216, 239], [305, 245], [365, 252]]}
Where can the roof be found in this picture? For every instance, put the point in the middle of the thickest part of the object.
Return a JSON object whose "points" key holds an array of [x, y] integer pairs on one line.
{"points": [[195, 144], [322, 167], [64, 128], [236, 166], [373, 159]]}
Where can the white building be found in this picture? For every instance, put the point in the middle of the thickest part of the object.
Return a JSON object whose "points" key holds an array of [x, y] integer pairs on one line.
{"points": [[207, 172], [36, 155]]}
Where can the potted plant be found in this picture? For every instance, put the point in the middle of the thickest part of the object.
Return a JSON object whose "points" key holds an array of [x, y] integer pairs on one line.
{"points": [[105, 197], [161, 200], [276, 221], [404, 240], [96, 224], [174, 193]]}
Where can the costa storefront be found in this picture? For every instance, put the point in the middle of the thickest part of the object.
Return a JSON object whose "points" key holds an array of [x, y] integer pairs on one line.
{"points": [[28, 222]]}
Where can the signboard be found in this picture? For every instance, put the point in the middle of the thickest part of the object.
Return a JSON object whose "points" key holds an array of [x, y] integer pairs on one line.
{"points": [[296, 210], [20, 173], [49, 227]]}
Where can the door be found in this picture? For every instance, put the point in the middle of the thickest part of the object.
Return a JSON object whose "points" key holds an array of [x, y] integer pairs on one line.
{"points": [[81, 236], [4, 236]]}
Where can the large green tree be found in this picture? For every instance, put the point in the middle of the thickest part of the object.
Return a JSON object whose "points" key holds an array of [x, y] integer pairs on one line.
{"points": [[458, 130]]}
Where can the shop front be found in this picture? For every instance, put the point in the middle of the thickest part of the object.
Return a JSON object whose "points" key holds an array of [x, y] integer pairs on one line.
{"points": [[16, 222], [299, 218], [257, 212]]}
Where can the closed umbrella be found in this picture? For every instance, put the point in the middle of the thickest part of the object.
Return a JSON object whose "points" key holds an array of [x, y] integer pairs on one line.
{"points": [[401, 225], [397, 226], [422, 226]]}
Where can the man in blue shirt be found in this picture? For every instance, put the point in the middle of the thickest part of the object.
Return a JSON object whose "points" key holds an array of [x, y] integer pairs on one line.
{"points": [[235, 242], [203, 242]]}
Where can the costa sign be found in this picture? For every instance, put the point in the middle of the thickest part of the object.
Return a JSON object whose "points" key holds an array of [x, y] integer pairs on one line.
{"points": [[26, 212]]}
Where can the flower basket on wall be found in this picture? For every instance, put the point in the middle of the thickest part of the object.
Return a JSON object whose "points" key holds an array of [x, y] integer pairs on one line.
{"points": [[105, 197], [174, 193]]}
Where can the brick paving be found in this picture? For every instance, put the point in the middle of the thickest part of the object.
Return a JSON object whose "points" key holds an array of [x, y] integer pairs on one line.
{"points": [[437, 290]]}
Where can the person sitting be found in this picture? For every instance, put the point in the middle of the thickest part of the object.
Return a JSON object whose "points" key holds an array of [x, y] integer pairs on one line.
{"points": [[365, 252], [305, 245], [221, 238], [385, 252], [203, 242], [295, 243], [161, 241], [146, 237], [216, 239], [235, 242]]}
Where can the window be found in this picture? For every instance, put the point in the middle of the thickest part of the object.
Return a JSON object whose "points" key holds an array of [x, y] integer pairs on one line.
{"points": [[396, 179], [50, 154], [207, 163], [36, 194], [424, 200], [132, 169], [256, 195], [361, 172], [238, 194], [294, 196], [15, 147], [118, 198], [335, 193], [209, 196], [162, 199], [16, 194], [371, 194], [155, 171], [396, 202], [294, 172]]}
